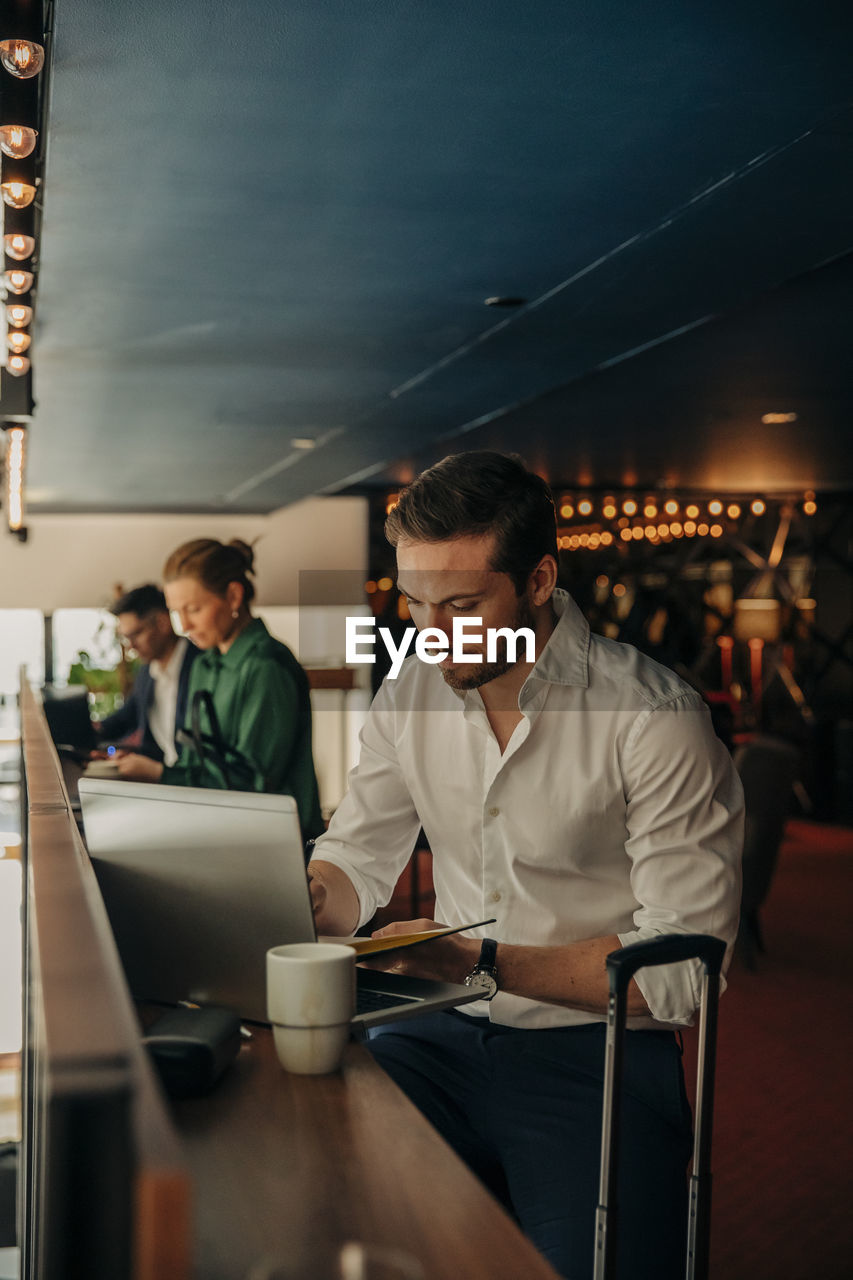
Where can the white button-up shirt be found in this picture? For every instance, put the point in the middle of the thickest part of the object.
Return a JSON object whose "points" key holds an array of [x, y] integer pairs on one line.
{"points": [[614, 809], [163, 708]]}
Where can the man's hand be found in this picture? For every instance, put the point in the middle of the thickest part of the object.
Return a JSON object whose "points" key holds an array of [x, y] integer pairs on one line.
{"points": [[443, 959], [333, 898], [136, 768]]}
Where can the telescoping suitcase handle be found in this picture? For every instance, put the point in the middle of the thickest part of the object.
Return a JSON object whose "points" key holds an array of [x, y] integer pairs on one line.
{"points": [[621, 967]]}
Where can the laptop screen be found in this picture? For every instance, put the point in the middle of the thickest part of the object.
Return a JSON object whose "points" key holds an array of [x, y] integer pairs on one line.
{"points": [[198, 885]]}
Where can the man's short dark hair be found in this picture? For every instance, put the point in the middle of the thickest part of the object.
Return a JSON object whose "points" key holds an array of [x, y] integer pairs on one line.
{"points": [[141, 601], [481, 492]]}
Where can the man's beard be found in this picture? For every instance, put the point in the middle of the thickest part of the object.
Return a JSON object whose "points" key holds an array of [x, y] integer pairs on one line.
{"points": [[484, 672]]}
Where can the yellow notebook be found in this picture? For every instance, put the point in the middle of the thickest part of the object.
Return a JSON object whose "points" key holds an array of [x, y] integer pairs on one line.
{"points": [[369, 946]]}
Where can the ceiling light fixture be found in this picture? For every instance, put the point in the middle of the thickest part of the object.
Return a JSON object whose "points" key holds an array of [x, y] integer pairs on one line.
{"points": [[18, 315], [17, 195], [18, 281], [18, 365], [17, 140], [17, 341], [19, 247], [22, 58], [14, 468], [775, 419]]}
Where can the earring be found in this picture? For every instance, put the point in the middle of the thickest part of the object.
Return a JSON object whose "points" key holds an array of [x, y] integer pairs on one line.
{"points": [[234, 613]]}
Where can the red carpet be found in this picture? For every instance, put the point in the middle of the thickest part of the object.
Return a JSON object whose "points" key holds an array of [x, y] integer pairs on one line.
{"points": [[783, 1171]]}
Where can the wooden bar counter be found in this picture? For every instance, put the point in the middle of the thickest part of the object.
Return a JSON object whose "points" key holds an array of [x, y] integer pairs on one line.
{"points": [[290, 1167]]}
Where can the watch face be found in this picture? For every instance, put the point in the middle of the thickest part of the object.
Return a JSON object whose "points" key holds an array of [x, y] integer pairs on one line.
{"points": [[484, 981]]}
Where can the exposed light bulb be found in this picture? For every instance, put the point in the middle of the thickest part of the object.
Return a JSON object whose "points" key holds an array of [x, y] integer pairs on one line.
{"points": [[585, 507], [18, 315], [18, 195], [17, 341], [22, 58], [757, 507], [715, 507], [18, 281], [671, 507], [18, 365], [629, 507], [19, 247], [566, 511], [17, 140]]}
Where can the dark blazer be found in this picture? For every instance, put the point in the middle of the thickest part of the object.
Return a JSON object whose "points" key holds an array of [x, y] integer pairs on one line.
{"points": [[132, 717]]}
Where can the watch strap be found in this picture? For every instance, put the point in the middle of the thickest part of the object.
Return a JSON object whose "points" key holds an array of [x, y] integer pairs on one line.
{"points": [[488, 956]]}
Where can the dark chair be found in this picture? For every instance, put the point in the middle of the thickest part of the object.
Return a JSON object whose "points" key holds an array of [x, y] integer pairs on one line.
{"points": [[768, 768]]}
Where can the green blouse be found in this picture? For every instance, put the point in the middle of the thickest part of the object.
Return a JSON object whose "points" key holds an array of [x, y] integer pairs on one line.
{"points": [[261, 700]]}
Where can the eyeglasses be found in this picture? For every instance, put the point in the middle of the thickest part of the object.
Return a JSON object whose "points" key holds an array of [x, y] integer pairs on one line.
{"points": [[131, 638]]}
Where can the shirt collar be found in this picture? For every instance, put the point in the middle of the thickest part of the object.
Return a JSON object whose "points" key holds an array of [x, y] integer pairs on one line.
{"points": [[565, 658], [168, 668], [248, 640]]}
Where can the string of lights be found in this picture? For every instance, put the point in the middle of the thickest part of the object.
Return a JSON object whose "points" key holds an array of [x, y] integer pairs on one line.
{"points": [[24, 59]]}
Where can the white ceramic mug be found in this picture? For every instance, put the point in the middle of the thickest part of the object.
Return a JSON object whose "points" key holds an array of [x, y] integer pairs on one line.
{"points": [[310, 1004]]}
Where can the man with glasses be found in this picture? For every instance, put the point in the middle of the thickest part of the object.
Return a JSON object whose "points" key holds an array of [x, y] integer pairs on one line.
{"points": [[158, 701]]}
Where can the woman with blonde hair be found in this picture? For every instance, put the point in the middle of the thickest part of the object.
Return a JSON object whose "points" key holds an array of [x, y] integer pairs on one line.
{"points": [[249, 720]]}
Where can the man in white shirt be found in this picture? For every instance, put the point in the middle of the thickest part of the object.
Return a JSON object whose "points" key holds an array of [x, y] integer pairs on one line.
{"points": [[584, 801], [157, 704]]}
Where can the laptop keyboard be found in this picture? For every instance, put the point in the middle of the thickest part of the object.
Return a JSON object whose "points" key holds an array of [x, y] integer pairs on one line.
{"points": [[368, 1001]]}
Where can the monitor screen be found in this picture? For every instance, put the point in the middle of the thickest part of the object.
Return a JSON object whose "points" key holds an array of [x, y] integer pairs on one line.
{"points": [[198, 884]]}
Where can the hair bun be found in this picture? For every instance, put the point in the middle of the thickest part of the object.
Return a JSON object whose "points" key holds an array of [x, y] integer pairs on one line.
{"points": [[245, 552]]}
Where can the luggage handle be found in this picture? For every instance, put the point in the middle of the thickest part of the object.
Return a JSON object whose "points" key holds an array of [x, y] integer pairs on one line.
{"points": [[621, 966], [669, 948]]}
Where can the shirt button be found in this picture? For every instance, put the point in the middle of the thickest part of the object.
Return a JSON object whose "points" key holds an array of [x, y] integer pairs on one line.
{"points": [[494, 811], [495, 897]]}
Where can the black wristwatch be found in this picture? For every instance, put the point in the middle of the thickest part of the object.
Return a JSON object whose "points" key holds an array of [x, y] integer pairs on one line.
{"points": [[485, 972]]}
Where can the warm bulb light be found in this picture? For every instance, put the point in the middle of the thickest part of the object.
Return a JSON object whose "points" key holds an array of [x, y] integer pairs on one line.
{"points": [[629, 507], [17, 141], [650, 511], [385, 584], [19, 247], [607, 538], [18, 365], [716, 531], [809, 508], [18, 315], [692, 511], [716, 507], [14, 469], [671, 507], [18, 281], [733, 511], [637, 533], [22, 58], [609, 509], [757, 507], [567, 511], [676, 529], [17, 341], [689, 528], [585, 507], [18, 195], [625, 535]]}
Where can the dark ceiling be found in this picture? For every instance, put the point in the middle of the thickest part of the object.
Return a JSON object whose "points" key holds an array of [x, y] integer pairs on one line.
{"points": [[281, 220]]}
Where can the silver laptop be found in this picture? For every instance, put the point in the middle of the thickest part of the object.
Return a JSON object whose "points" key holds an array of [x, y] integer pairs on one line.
{"points": [[199, 884]]}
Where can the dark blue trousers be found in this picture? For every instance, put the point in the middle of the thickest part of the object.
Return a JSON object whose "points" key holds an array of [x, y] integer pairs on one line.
{"points": [[523, 1110]]}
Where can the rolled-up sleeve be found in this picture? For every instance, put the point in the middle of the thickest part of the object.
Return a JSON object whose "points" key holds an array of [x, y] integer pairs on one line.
{"points": [[374, 829], [684, 815]]}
